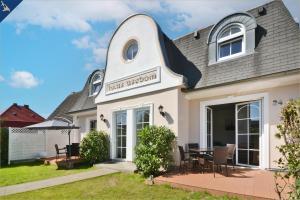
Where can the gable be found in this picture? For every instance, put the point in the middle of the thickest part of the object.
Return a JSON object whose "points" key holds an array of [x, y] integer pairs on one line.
{"points": [[147, 72]]}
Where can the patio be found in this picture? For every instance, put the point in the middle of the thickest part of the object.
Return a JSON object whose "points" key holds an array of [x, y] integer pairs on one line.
{"points": [[241, 182]]}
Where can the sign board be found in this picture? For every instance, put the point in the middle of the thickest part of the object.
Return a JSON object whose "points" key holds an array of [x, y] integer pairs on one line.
{"points": [[137, 80]]}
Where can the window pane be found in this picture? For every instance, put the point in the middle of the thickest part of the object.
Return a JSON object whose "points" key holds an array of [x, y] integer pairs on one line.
{"points": [[236, 47], [132, 51], [146, 116], [123, 152], [242, 111], [235, 29], [139, 127], [253, 126], [242, 126], [254, 110], [139, 117], [243, 157], [224, 50], [243, 142], [253, 141], [119, 152], [254, 158], [225, 33], [118, 141], [124, 141]]}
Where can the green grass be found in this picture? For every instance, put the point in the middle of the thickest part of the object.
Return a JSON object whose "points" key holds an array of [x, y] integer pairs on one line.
{"points": [[33, 171], [114, 186]]}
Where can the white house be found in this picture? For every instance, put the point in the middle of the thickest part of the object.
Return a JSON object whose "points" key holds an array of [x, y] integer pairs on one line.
{"points": [[222, 84]]}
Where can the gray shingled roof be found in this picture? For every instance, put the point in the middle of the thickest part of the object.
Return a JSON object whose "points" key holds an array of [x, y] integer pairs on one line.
{"points": [[85, 101], [277, 50], [76, 102], [65, 106]]}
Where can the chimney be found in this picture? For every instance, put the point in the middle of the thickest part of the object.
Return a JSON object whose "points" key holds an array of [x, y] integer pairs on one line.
{"points": [[26, 106]]}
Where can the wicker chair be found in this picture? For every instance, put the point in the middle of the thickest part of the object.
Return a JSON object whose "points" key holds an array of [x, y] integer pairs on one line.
{"points": [[219, 158], [231, 153], [184, 161]]}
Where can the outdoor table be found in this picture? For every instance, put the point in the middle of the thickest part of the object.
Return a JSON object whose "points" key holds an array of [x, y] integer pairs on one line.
{"points": [[202, 150]]}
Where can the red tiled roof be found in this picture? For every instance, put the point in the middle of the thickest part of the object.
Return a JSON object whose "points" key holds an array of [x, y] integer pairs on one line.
{"points": [[19, 116]]}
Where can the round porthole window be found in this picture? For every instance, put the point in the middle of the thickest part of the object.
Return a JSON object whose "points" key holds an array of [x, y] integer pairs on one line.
{"points": [[131, 50]]}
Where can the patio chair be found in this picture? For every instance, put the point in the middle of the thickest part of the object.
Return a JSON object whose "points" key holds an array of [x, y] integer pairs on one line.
{"points": [[184, 161], [219, 159], [75, 149], [193, 155], [58, 151], [230, 153]]}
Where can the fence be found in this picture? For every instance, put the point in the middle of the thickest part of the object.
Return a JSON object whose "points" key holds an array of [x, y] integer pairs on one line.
{"points": [[31, 144]]}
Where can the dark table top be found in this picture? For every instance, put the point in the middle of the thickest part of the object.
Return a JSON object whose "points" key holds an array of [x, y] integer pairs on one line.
{"points": [[202, 149]]}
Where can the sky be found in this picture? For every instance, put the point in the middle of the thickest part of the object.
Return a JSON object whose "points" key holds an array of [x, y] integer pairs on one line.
{"points": [[49, 47]]}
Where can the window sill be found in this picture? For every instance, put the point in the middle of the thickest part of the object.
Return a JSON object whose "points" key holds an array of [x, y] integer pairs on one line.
{"points": [[230, 58]]}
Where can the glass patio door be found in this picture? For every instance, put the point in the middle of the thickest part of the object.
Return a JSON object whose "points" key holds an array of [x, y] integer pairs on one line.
{"points": [[209, 123], [248, 129], [121, 130]]}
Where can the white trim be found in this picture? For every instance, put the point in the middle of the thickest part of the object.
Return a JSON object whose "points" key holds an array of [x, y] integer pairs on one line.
{"points": [[131, 134], [229, 39], [265, 140]]}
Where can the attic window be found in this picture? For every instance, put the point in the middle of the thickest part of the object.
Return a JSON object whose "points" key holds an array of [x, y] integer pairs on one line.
{"points": [[130, 50], [231, 42], [95, 84]]}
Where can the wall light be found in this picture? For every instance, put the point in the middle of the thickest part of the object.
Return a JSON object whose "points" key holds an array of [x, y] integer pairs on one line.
{"points": [[102, 118], [161, 110], [275, 102]]}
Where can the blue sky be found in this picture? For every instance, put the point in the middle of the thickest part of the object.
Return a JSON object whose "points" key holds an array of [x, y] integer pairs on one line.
{"points": [[49, 47]]}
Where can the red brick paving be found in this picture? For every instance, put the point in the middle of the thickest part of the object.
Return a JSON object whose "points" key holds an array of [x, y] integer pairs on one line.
{"points": [[244, 183]]}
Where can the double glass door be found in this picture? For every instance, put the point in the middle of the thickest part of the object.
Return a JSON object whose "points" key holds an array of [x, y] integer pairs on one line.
{"points": [[248, 129]]}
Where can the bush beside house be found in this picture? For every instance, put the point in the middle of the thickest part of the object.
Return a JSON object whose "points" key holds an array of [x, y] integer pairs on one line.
{"points": [[289, 163], [154, 149], [95, 147]]}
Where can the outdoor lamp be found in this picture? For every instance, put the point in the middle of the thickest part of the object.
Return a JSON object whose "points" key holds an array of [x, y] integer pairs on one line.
{"points": [[161, 110], [102, 118]]}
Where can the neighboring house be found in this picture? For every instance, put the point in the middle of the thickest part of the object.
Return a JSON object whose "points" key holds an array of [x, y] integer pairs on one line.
{"points": [[222, 84], [80, 107], [19, 116]]}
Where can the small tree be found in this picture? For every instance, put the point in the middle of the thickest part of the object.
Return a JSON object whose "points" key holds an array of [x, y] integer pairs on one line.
{"points": [[153, 149], [289, 162], [95, 147]]}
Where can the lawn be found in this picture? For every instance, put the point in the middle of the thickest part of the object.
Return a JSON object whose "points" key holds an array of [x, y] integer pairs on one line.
{"points": [[114, 186], [33, 171]]}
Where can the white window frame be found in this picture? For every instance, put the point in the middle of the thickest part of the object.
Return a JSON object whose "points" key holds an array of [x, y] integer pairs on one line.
{"points": [[264, 162], [230, 39], [131, 128], [92, 83]]}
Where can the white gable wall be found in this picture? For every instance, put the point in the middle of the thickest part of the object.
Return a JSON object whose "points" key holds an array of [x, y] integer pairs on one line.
{"points": [[144, 30]]}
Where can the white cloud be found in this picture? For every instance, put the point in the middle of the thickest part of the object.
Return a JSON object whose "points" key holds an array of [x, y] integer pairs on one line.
{"points": [[23, 79], [97, 47], [1, 78], [77, 15], [82, 43]]}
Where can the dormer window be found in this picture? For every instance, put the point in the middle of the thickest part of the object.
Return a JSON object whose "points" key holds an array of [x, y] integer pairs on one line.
{"points": [[231, 42], [232, 37], [95, 84]]}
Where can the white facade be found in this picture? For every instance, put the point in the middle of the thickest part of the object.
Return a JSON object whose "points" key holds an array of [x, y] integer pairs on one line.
{"points": [[146, 82]]}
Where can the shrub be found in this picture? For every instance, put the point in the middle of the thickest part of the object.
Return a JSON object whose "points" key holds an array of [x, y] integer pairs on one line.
{"points": [[95, 147], [153, 149], [289, 163], [3, 146]]}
